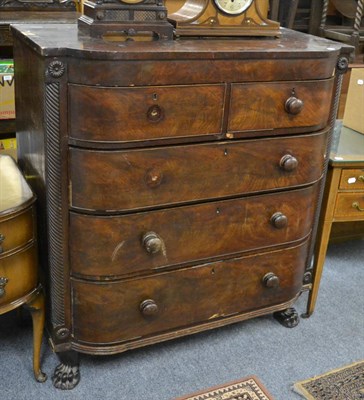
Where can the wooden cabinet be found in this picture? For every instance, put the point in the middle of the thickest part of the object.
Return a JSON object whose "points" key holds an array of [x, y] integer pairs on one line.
{"points": [[182, 179], [343, 202], [19, 280]]}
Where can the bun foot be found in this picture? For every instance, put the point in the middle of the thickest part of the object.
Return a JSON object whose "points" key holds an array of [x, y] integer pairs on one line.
{"points": [[66, 377], [288, 318]]}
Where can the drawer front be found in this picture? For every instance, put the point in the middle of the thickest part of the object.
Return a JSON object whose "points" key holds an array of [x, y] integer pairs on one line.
{"points": [[352, 179], [266, 105], [18, 275], [183, 298], [16, 231], [350, 205], [113, 246], [132, 114], [126, 180]]}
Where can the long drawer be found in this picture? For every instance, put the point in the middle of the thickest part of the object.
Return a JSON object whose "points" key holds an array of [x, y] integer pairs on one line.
{"points": [[276, 105], [132, 114], [119, 245], [112, 312], [112, 181]]}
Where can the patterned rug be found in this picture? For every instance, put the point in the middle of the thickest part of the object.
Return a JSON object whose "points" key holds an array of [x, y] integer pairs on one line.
{"points": [[245, 389], [345, 383]]}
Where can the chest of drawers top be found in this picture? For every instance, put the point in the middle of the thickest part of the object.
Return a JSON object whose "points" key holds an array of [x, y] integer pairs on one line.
{"points": [[64, 40]]}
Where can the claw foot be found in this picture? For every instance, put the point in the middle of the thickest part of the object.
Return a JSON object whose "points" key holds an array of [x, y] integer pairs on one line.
{"points": [[66, 377], [288, 318]]}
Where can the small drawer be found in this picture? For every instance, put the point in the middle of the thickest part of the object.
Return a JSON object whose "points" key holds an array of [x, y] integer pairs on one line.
{"points": [[352, 179], [123, 245], [113, 181], [16, 231], [147, 113], [18, 274], [125, 310], [280, 105], [350, 205]]}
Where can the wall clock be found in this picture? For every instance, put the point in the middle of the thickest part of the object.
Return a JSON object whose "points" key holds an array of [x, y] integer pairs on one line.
{"points": [[126, 19], [223, 18]]}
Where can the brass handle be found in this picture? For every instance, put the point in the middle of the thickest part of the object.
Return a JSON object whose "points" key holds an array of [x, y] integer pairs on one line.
{"points": [[152, 242], [279, 220], [3, 282], [357, 206], [361, 178], [293, 105], [288, 162], [270, 280], [148, 307]]}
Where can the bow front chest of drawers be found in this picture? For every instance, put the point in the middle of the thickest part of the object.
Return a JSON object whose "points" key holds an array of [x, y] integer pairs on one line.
{"points": [[180, 181]]}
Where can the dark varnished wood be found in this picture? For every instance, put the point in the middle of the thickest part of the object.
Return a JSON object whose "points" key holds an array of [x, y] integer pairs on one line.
{"points": [[184, 296], [196, 67], [291, 45], [163, 182], [264, 105], [151, 112], [171, 175], [113, 246]]}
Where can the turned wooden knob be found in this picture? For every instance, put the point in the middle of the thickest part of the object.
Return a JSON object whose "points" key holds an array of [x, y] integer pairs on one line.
{"points": [[270, 280], [155, 113], [293, 105], [152, 242], [279, 220], [288, 162], [148, 307]]}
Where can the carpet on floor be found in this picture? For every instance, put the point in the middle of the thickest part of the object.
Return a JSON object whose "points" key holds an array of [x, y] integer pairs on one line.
{"points": [[249, 388], [346, 383]]}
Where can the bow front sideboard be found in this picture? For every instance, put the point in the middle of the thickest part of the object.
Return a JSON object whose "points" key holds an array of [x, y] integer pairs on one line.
{"points": [[179, 181]]}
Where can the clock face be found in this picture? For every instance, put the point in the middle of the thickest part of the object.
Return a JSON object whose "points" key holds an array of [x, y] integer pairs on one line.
{"points": [[233, 7]]}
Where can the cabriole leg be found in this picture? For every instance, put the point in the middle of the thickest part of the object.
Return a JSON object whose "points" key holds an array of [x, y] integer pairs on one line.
{"points": [[36, 306]]}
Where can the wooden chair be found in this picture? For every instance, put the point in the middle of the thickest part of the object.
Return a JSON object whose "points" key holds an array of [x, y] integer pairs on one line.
{"points": [[352, 10]]}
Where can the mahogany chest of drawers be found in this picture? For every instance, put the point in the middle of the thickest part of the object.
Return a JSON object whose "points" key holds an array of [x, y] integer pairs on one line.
{"points": [[179, 181]]}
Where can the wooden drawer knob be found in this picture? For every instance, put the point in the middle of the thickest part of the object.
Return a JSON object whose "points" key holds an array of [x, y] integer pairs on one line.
{"points": [[148, 307], [152, 242], [153, 177], [3, 282], [279, 220], [288, 163], [271, 280], [293, 105], [155, 113]]}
